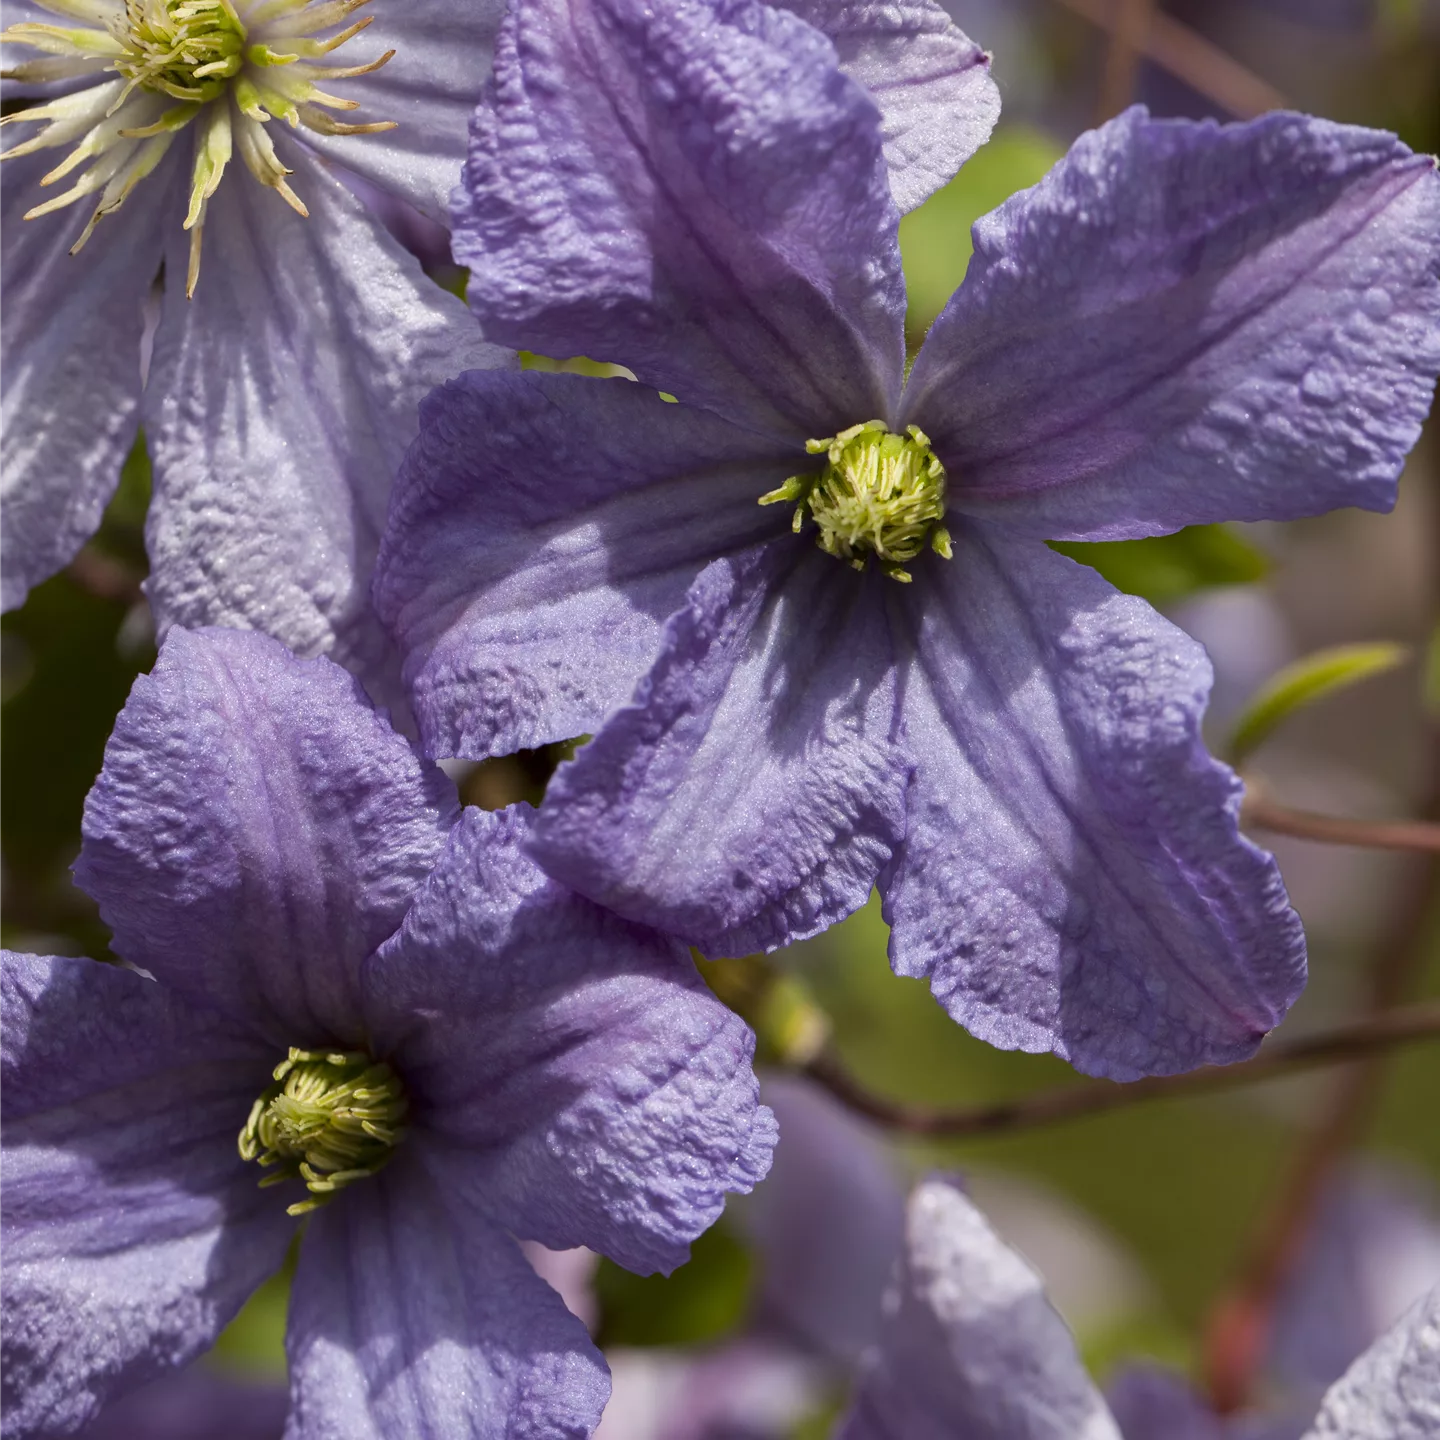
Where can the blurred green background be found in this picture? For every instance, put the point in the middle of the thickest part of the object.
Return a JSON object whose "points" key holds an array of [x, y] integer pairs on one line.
{"points": [[1175, 1189]]}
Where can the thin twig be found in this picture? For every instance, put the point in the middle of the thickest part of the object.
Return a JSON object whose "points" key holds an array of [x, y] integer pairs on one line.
{"points": [[1190, 57], [1265, 814], [1128, 31], [1092, 1097]]}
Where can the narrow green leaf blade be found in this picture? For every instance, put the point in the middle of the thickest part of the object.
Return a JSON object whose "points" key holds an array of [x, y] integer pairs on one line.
{"points": [[1306, 681]]}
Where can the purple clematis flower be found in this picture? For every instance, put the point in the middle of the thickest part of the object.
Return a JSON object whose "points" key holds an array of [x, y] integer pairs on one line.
{"points": [[972, 1346], [1183, 323], [281, 393], [468, 1053]]}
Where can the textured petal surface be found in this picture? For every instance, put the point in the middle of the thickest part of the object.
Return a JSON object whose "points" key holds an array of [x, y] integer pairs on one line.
{"points": [[443, 51], [195, 1404], [828, 1222], [971, 1345], [257, 830], [1186, 323], [72, 327], [280, 403], [937, 101], [1392, 1392], [133, 1230], [695, 191], [405, 1325], [571, 1076], [753, 790], [543, 528], [1073, 877]]}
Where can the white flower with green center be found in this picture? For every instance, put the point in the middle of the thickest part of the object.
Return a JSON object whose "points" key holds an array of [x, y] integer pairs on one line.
{"points": [[284, 388], [219, 70]]}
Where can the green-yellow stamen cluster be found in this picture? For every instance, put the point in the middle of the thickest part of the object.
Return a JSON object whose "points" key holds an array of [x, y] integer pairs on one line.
{"points": [[880, 493], [219, 70], [332, 1116], [188, 49]]}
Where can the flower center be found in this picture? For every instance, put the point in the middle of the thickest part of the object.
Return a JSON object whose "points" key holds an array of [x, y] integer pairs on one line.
{"points": [[332, 1116], [880, 493], [186, 48], [232, 66]]}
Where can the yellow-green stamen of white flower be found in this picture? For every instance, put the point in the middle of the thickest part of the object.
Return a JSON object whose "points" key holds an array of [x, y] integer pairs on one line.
{"points": [[332, 1117], [880, 493], [230, 66]]}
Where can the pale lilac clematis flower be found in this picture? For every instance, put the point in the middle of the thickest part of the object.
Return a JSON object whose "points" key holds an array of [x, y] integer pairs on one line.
{"points": [[972, 1347], [1183, 323], [470, 1055], [280, 395]]}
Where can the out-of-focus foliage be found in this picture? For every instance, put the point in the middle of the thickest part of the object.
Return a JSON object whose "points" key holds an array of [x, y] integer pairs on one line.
{"points": [[1163, 568], [702, 1301], [935, 239], [1303, 683], [70, 656]]}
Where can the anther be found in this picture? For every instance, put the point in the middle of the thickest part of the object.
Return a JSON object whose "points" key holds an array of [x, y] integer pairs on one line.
{"points": [[880, 494], [330, 1118]]}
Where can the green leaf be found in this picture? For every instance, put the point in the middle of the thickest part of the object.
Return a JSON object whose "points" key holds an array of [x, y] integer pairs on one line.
{"points": [[935, 237], [1305, 682], [703, 1300], [1163, 568]]}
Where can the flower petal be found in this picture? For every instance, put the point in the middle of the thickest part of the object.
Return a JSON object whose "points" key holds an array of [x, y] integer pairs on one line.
{"points": [[1186, 323], [1151, 1403], [542, 529], [570, 1074], [195, 1404], [257, 830], [1073, 878], [72, 327], [1392, 1392], [280, 403], [406, 1325], [752, 791], [828, 1222], [1372, 1252], [133, 1230], [971, 1345], [932, 83], [429, 88], [694, 191]]}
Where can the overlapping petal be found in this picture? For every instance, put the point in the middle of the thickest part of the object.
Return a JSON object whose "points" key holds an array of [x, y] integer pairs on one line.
{"points": [[72, 327], [195, 1404], [1392, 1392], [281, 400], [133, 1230], [1073, 877], [828, 1221], [971, 1345], [752, 791], [257, 830], [543, 528], [571, 1077], [428, 88], [1151, 1403], [696, 192], [1186, 323], [405, 1325], [932, 83]]}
